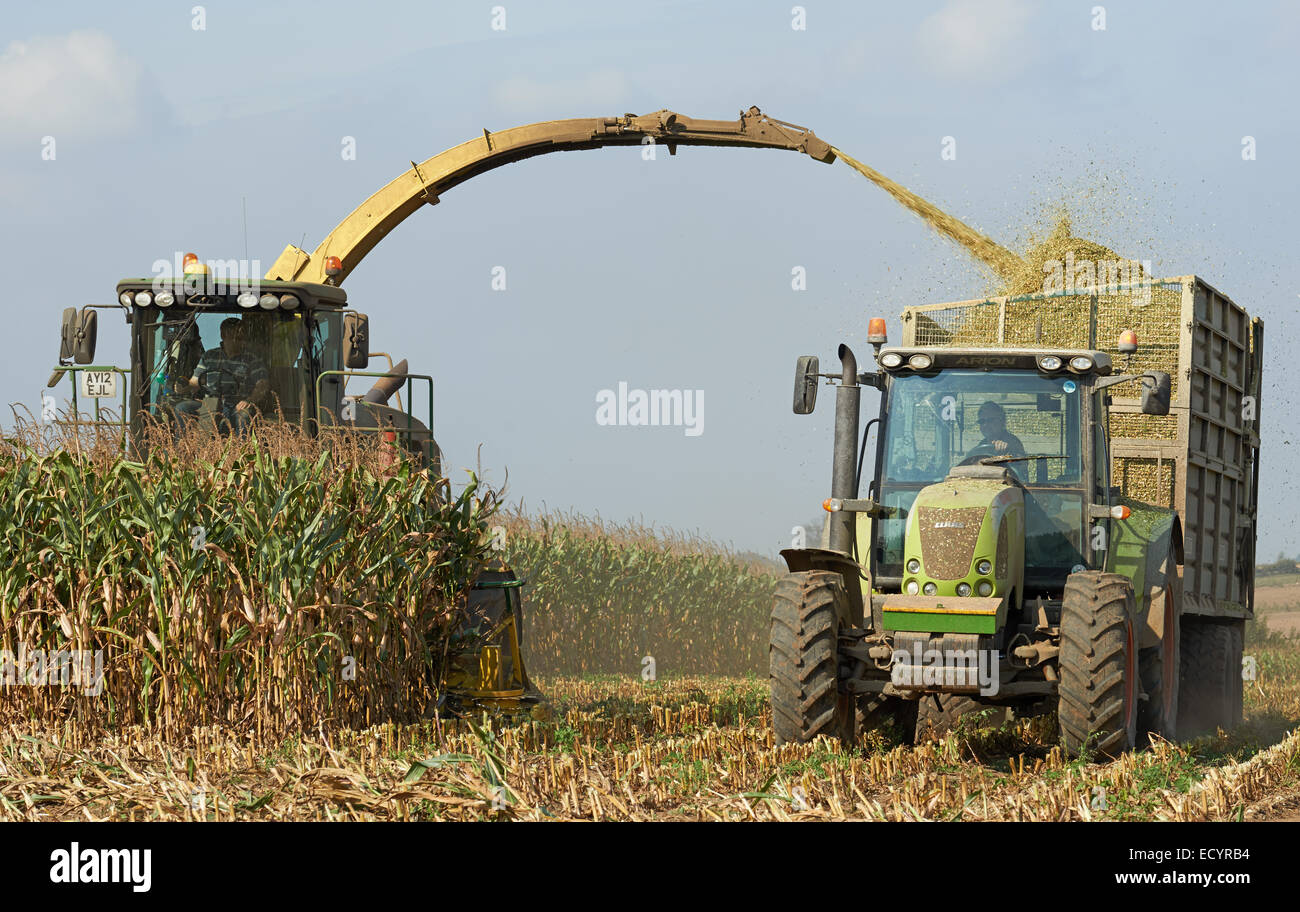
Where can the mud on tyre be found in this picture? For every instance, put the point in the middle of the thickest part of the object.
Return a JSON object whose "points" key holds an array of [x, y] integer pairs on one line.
{"points": [[1098, 664], [808, 611]]}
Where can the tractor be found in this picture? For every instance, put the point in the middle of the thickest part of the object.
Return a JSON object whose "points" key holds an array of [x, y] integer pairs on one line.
{"points": [[994, 565]]}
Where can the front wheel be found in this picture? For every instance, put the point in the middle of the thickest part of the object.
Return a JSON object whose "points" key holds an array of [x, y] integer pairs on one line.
{"points": [[1098, 664], [808, 611]]}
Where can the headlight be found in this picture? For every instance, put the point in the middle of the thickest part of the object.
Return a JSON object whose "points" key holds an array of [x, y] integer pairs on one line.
{"points": [[914, 566], [963, 589], [930, 589], [1081, 363], [269, 302], [289, 302], [891, 359], [247, 299], [165, 299], [143, 299], [983, 567], [1050, 363], [919, 362], [125, 298], [985, 588], [912, 587]]}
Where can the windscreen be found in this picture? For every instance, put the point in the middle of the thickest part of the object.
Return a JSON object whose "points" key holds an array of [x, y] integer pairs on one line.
{"points": [[958, 417], [206, 364]]}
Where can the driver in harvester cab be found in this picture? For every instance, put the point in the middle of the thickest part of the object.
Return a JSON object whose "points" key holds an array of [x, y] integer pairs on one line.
{"points": [[993, 425], [233, 374]]}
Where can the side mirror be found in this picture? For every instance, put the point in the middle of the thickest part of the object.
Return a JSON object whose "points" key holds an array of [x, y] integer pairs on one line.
{"points": [[68, 333], [805, 384], [356, 341], [77, 338], [1155, 393]]}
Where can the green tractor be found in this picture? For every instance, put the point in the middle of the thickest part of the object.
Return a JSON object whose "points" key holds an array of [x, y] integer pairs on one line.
{"points": [[210, 352], [991, 564]]}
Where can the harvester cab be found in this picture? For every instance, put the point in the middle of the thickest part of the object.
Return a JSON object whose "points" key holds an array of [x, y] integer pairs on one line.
{"points": [[212, 354], [217, 352], [991, 561]]}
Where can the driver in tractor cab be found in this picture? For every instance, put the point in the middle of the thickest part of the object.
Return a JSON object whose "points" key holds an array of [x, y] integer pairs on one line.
{"points": [[233, 374], [992, 420], [184, 348]]}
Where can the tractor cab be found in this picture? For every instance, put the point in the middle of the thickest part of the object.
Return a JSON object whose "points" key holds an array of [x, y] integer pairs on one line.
{"points": [[199, 357], [218, 352], [1030, 418]]}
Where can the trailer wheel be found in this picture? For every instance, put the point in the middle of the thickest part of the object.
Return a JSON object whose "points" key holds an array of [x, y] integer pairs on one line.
{"points": [[1159, 667], [1237, 693], [1098, 664], [808, 610], [1211, 678]]}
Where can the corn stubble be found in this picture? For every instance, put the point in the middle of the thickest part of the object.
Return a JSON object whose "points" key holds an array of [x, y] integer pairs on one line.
{"points": [[620, 749]]}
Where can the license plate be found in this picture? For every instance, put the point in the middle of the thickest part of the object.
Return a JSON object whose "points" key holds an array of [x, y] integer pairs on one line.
{"points": [[98, 384]]}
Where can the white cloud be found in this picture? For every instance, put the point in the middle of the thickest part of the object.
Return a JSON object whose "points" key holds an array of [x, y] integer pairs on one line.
{"points": [[977, 38], [598, 93], [79, 84]]}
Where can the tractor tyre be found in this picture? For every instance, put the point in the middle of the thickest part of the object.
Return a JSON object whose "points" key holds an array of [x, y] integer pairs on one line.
{"points": [[1159, 670], [940, 713], [1236, 694], [1211, 677], [1098, 690], [808, 611], [877, 712]]}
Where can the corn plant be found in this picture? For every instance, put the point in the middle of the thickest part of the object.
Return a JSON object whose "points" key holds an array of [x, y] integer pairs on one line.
{"points": [[247, 587]]}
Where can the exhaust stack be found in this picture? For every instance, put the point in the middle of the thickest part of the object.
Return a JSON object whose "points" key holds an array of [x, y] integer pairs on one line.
{"points": [[844, 481]]}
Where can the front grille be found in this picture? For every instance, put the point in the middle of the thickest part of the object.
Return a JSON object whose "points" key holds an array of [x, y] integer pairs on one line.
{"points": [[948, 540]]}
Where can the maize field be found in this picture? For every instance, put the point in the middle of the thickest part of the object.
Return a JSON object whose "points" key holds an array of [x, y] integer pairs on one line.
{"points": [[603, 598], [267, 585], [224, 696]]}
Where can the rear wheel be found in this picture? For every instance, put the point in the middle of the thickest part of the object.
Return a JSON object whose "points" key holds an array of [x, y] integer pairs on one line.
{"points": [[808, 611], [1237, 693], [1098, 664], [1211, 678], [939, 713], [888, 714]]}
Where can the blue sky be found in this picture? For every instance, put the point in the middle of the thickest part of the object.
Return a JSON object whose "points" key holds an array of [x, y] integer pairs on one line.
{"points": [[666, 274]]}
